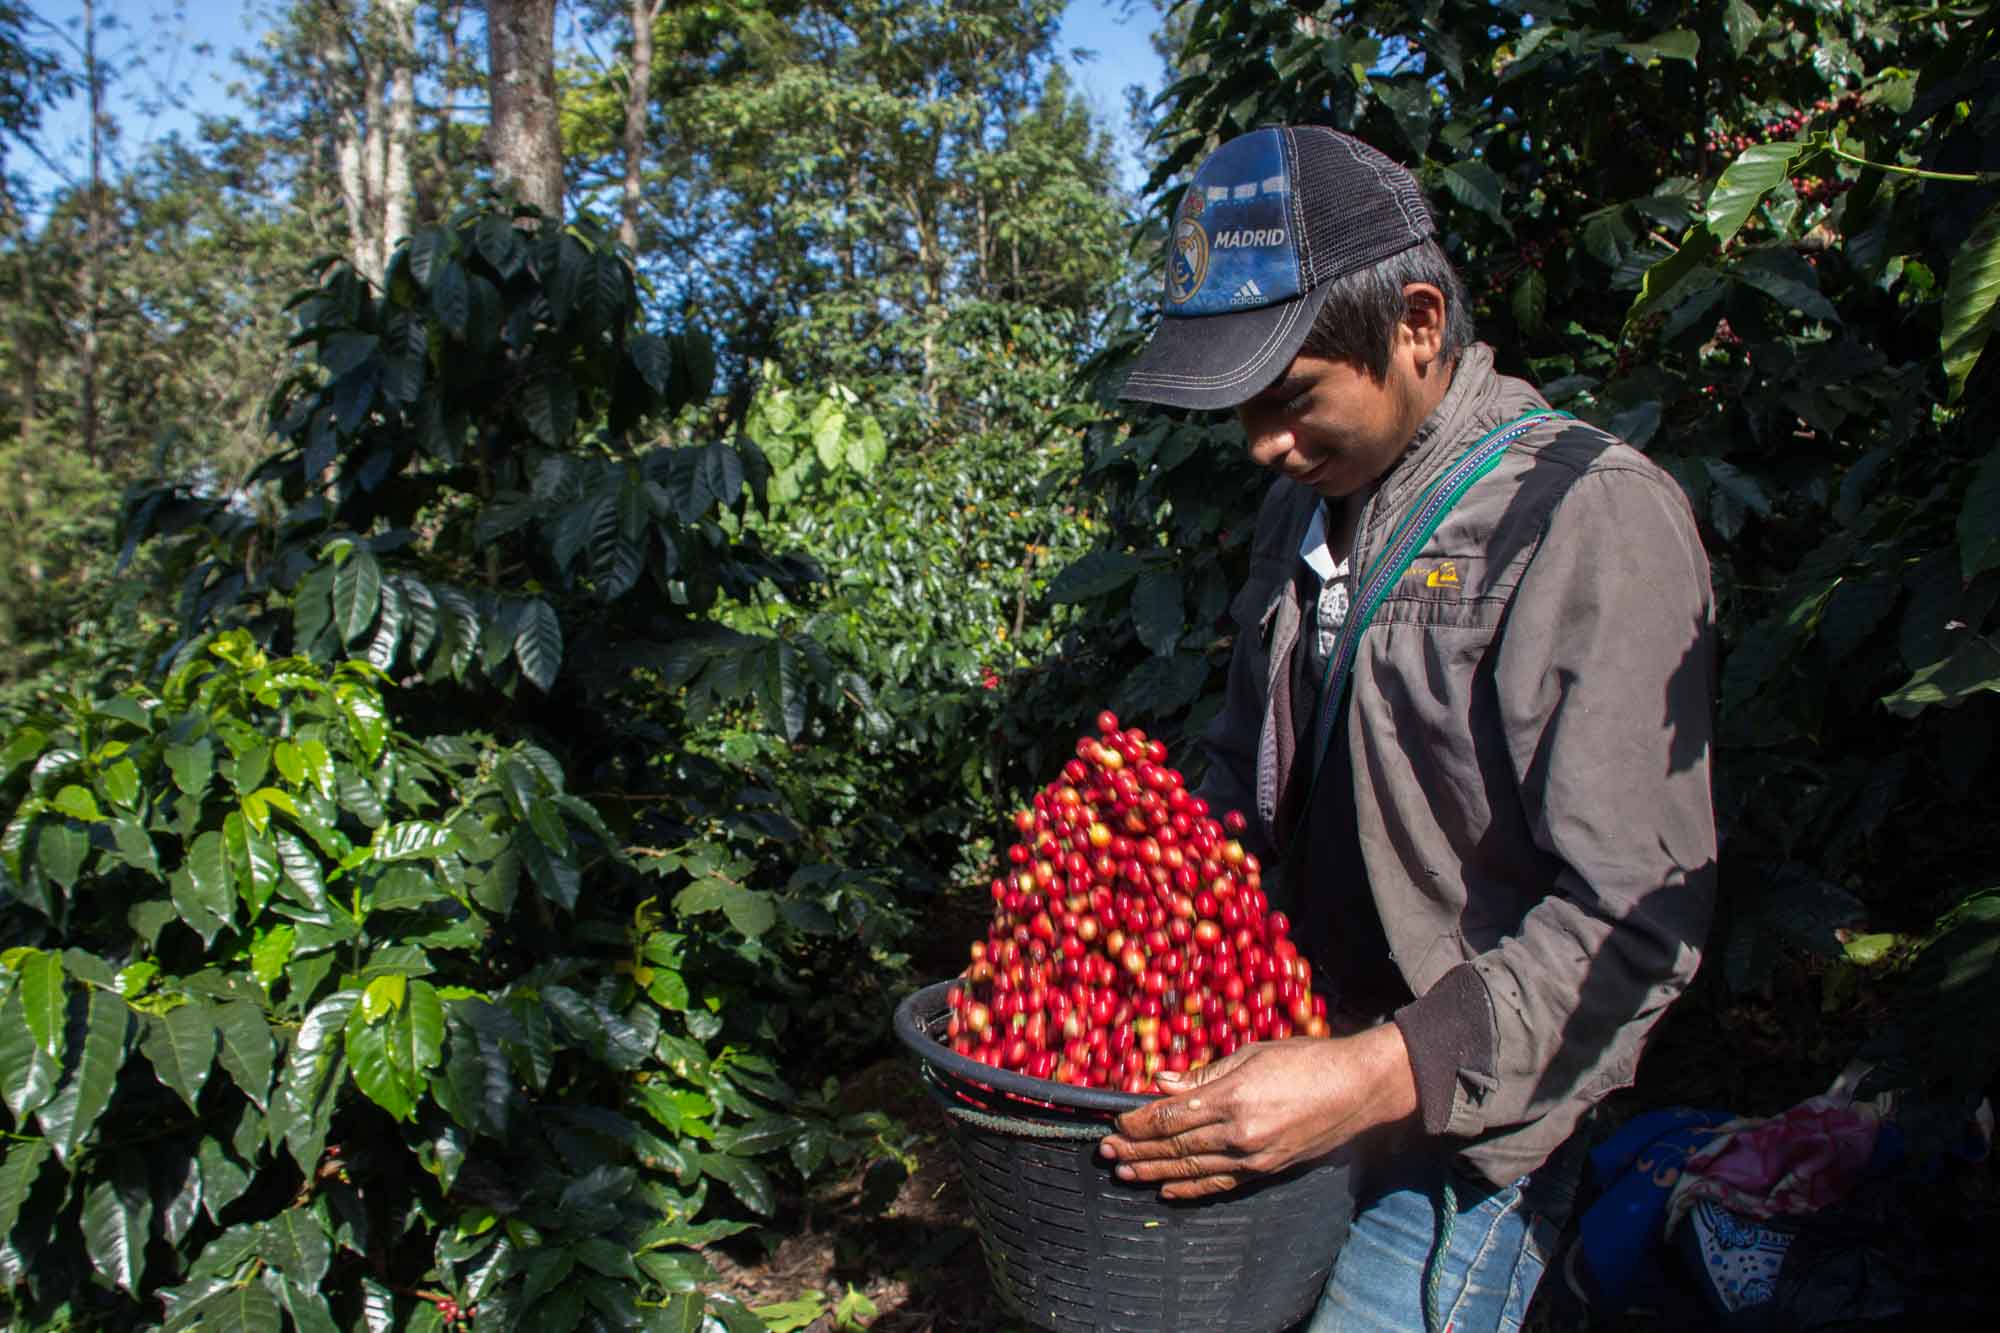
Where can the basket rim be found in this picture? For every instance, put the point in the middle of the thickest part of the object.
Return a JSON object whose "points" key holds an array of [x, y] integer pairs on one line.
{"points": [[930, 1000]]}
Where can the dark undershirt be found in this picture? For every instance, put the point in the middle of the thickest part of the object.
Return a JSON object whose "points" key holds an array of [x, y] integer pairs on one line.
{"points": [[1334, 918]]}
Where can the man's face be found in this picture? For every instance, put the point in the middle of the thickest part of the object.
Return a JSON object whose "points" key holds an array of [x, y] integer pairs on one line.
{"points": [[1331, 425]]}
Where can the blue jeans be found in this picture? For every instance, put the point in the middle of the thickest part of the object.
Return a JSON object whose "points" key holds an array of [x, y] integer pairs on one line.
{"points": [[1499, 1246]]}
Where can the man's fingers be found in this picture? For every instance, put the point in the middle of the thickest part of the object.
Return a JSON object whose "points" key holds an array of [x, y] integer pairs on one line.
{"points": [[1188, 1170], [1172, 1115], [1209, 1139], [1200, 1189]]}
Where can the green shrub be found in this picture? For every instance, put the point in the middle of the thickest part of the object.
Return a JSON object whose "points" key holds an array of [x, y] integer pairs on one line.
{"points": [[304, 1015]]}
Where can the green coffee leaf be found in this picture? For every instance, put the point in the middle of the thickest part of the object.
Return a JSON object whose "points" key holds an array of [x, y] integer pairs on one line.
{"points": [[383, 996], [357, 593], [382, 1050], [344, 351], [308, 1308], [271, 951], [181, 1046], [245, 1048], [451, 297], [411, 839], [43, 999], [1971, 291], [1094, 575], [499, 242], [1157, 611], [428, 251], [538, 644], [303, 1087], [78, 803], [28, 1074], [1979, 520], [299, 872], [177, 1193], [1677, 44], [744, 1179], [1760, 169], [766, 1134], [319, 766], [72, 1113], [548, 405], [223, 1178], [254, 859], [26, 743], [1742, 23], [781, 690], [362, 709], [295, 1243], [117, 1214], [135, 847], [749, 910], [19, 1170], [653, 358], [1476, 185], [246, 1309]]}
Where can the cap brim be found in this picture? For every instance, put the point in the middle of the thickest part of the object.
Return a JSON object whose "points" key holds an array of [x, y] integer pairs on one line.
{"points": [[1218, 361]]}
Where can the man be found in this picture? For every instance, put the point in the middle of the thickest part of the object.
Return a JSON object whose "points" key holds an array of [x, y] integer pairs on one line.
{"points": [[1474, 755]]}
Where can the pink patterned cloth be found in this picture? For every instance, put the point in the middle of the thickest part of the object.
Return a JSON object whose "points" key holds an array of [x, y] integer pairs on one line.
{"points": [[1801, 1161]]}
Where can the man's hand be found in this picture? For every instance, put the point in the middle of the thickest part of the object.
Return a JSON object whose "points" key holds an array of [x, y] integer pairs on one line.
{"points": [[1267, 1107]]}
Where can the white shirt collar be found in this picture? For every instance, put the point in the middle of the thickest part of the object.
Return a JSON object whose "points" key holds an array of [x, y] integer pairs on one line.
{"points": [[1313, 549]]}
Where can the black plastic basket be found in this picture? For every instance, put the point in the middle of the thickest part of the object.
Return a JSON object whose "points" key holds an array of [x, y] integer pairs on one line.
{"points": [[1071, 1247]]}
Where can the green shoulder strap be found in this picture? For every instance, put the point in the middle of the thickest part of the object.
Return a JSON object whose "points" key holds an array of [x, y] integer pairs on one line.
{"points": [[1408, 538]]}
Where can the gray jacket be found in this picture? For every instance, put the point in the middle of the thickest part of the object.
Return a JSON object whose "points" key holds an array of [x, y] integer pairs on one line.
{"points": [[1529, 725]]}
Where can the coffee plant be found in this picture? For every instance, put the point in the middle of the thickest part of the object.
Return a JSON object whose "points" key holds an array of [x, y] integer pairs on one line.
{"points": [[311, 1020]]}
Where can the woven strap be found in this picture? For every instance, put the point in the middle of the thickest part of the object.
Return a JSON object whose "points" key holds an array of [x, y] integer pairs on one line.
{"points": [[1026, 1129], [1411, 533], [1436, 1320]]}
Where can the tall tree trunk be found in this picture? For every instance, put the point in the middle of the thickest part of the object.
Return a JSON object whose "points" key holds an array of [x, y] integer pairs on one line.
{"points": [[525, 133], [402, 123], [638, 96], [93, 256], [339, 62], [27, 347], [368, 243], [444, 161]]}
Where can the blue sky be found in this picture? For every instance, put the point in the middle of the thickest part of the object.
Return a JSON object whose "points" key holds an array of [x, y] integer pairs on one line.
{"points": [[185, 47]]}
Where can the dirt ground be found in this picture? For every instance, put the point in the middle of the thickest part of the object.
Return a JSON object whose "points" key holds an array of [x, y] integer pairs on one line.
{"points": [[917, 1260]]}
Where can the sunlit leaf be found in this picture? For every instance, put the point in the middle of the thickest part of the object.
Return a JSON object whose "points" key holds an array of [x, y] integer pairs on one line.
{"points": [[92, 1072], [181, 1046], [1760, 169], [117, 1214], [44, 999], [1972, 288]]}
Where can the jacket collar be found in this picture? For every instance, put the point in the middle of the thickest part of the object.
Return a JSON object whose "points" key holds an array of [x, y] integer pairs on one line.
{"points": [[1478, 400]]}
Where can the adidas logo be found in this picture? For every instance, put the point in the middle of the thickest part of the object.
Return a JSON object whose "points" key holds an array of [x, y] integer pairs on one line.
{"points": [[1248, 294]]}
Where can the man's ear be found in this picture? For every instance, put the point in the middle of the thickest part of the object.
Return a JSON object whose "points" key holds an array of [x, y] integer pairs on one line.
{"points": [[1423, 322]]}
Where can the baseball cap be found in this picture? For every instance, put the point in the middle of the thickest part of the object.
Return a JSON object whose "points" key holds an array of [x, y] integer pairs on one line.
{"points": [[1269, 221]]}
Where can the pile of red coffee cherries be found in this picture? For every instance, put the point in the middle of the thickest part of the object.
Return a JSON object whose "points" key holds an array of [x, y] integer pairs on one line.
{"points": [[1131, 934]]}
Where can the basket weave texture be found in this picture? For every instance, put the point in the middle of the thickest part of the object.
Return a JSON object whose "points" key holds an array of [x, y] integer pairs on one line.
{"points": [[1070, 1247]]}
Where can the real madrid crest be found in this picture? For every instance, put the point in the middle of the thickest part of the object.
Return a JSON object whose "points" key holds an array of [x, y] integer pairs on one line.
{"points": [[1187, 261]]}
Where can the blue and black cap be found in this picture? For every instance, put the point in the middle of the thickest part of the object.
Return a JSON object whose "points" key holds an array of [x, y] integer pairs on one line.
{"points": [[1269, 221]]}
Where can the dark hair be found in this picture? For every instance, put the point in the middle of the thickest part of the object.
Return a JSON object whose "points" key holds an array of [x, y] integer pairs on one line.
{"points": [[1358, 322]]}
